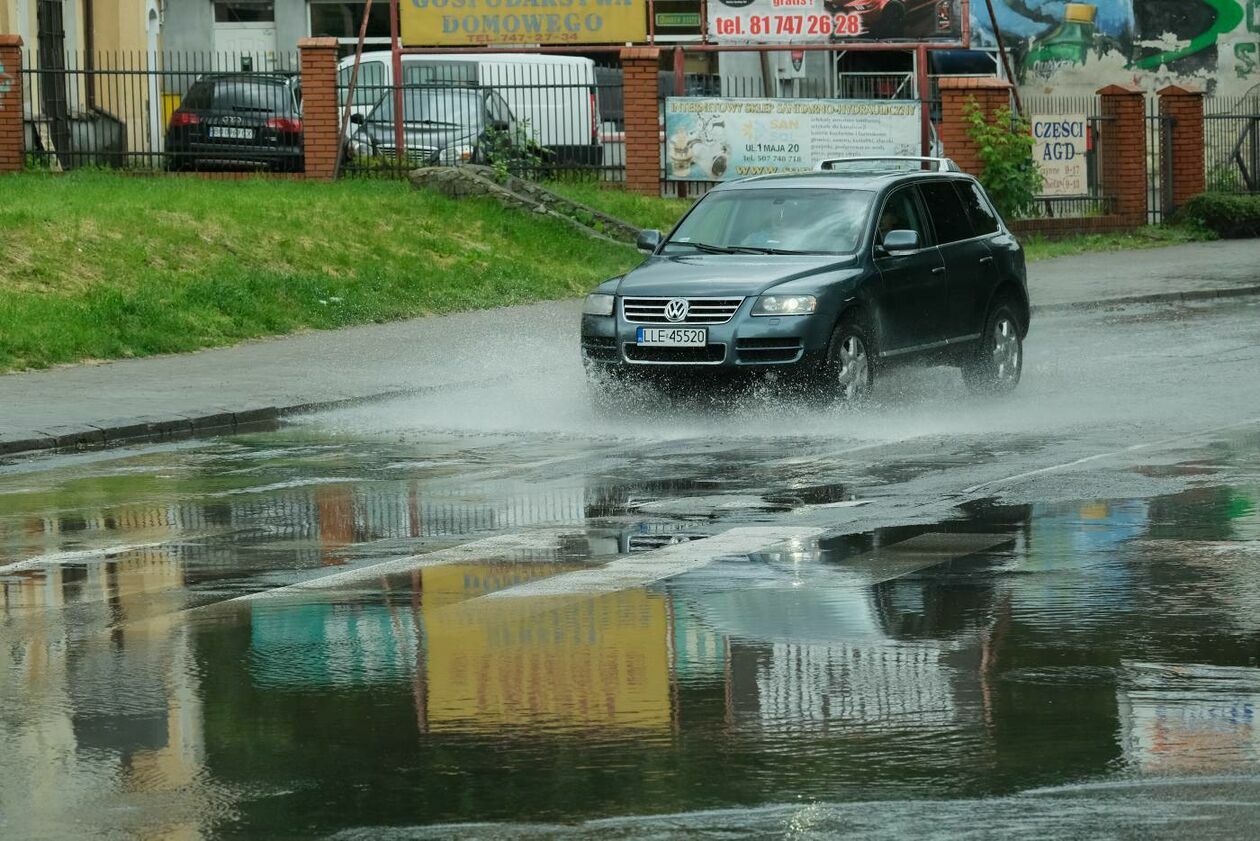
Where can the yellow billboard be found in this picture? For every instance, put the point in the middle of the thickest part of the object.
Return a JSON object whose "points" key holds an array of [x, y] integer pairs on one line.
{"points": [[470, 23]]}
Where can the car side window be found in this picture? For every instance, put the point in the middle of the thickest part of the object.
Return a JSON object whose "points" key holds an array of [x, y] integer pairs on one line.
{"points": [[949, 216], [901, 213], [497, 108], [983, 218]]}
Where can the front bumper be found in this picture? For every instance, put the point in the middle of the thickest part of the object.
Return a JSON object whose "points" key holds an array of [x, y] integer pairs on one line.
{"points": [[744, 343]]}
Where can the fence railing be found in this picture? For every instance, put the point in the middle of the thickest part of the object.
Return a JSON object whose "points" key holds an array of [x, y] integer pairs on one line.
{"points": [[1231, 141]]}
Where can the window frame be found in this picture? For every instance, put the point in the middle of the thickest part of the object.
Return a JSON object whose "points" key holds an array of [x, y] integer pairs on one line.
{"points": [[928, 236]]}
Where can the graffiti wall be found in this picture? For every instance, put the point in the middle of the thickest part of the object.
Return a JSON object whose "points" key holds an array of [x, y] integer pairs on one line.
{"points": [[1061, 47]]}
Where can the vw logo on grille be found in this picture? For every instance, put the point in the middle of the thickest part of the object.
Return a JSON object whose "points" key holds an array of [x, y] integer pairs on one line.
{"points": [[676, 309]]}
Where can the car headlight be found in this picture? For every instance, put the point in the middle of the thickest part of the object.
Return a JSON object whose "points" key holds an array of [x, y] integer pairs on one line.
{"points": [[598, 304], [460, 153], [785, 305]]}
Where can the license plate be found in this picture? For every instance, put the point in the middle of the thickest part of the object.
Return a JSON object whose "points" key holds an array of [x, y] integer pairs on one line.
{"points": [[231, 133], [673, 336]]}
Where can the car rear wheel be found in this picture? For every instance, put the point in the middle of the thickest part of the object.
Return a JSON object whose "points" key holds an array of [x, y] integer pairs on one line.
{"points": [[850, 369], [998, 362]]}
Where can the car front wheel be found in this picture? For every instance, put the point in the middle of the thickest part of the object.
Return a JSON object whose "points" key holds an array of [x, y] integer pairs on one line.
{"points": [[850, 374], [999, 358]]}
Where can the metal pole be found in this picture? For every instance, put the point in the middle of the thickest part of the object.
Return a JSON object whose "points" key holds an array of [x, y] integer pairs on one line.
{"points": [[396, 50], [680, 89], [1006, 62], [354, 78], [925, 100]]}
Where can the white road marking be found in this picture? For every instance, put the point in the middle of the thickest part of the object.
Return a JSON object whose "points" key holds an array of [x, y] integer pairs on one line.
{"points": [[1183, 438], [642, 569], [106, 552], [917, 553], [489, 548]]}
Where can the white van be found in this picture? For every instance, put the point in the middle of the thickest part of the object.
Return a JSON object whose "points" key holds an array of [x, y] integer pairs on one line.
{"points": [[555, 96]]}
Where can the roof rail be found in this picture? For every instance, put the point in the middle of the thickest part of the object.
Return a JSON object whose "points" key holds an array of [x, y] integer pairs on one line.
{"points": [[938, 164]]}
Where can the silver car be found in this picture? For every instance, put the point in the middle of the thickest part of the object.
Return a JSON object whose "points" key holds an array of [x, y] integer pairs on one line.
{"points": [[442, 125]]}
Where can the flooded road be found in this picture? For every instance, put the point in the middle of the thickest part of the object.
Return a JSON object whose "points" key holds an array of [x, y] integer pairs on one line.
{"points": [[498, 612]]}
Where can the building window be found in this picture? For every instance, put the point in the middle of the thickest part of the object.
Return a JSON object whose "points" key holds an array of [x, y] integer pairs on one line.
{"points": [[342, 20], [244, 12]]}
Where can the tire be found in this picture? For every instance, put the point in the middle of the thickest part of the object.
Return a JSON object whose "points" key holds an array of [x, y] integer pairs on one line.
{"points": [[849, 372], [998, 360]]}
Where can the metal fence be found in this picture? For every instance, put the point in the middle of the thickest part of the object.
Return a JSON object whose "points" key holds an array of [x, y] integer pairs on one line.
{"points": [[1231, 140], [115, 109], [154, 112], [536, 117]]}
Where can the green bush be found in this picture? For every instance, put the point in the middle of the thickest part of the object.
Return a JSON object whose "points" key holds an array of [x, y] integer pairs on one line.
{"points": [[1228, 216], [1005, 144]]}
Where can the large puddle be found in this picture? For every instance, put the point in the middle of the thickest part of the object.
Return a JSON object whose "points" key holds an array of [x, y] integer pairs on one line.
{"points": [[560, 648]]}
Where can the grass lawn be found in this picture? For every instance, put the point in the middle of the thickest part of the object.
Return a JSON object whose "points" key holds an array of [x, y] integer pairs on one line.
{"points": [[101, 266], [1153, 236]]}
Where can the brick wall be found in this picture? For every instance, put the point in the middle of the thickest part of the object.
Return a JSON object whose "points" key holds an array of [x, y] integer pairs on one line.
{"points": [[1185, 107], [642, 120], [320, 132], [1122, 138], [10, 103], [989, 93]]}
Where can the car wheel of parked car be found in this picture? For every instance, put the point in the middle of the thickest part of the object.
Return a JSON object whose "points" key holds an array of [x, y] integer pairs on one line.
{"points": [[999, 359], [178, 162], [851, 361]]}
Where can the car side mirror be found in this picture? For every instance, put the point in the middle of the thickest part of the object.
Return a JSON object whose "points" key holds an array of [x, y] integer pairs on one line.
{"points": [[648, 241], [357, 119], [901, 240]]}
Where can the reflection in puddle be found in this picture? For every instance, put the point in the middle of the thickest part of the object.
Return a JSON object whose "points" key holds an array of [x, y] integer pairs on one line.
{"points": [[1016, 647]]}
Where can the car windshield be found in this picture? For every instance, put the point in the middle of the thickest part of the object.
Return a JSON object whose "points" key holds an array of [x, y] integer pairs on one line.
{"points": [[775, 220], [433, 106]]}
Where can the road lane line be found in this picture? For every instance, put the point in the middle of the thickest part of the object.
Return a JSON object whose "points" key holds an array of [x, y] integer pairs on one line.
{"points": [[639, 570], [1183, 438], [905, 557], [488, 548]]}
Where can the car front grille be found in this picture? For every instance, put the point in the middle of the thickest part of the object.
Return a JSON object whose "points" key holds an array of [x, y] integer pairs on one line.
{"points": [[764, 351], [699, 310], [707, 355]]}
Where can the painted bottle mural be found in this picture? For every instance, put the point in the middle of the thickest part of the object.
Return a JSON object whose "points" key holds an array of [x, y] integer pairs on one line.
{"points": [[1070, 43]]}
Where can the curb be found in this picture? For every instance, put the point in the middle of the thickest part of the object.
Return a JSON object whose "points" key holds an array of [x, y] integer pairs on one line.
{"points": [[221, 421], [1154, 298]]}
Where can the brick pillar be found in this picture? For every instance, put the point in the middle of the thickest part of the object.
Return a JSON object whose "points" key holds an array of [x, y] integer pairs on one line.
{"points": [[11, 140], [990, 94], [319, 105], [1185, 107], [642, 116], [1122, 136]]}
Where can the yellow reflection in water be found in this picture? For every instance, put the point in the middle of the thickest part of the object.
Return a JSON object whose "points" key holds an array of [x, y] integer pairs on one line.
{"points": [[567, 661]]}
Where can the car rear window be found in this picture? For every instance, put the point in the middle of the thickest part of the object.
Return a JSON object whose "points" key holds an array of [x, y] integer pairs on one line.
{"points": [[251, 95], [949, 216]]}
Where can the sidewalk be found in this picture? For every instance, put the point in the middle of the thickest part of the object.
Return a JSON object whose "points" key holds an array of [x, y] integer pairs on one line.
{"points": [[257, 382]]}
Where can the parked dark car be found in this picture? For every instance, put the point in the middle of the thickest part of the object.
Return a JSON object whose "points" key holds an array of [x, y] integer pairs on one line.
{"points": [[824, 278], [443, 125], [895, 19], [238, 119]]}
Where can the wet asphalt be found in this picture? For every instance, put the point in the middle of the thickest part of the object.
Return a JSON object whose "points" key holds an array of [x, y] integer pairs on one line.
{"points": [[497, 611]]}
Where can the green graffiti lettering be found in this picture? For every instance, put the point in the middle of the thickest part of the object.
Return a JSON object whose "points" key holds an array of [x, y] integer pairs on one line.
{"points": [[1228, 15], [1246, 57]]}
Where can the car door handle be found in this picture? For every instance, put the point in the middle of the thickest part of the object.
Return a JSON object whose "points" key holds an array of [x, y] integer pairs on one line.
{"points": [[938, 270], [984, 260]]}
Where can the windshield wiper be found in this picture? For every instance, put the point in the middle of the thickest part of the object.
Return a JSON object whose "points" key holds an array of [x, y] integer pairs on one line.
{"points": [[754, 249], [429, 123], [704, 246]]}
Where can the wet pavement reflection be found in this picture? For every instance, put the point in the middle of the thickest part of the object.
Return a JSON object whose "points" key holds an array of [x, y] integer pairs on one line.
{"points": [[174, 662]]}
